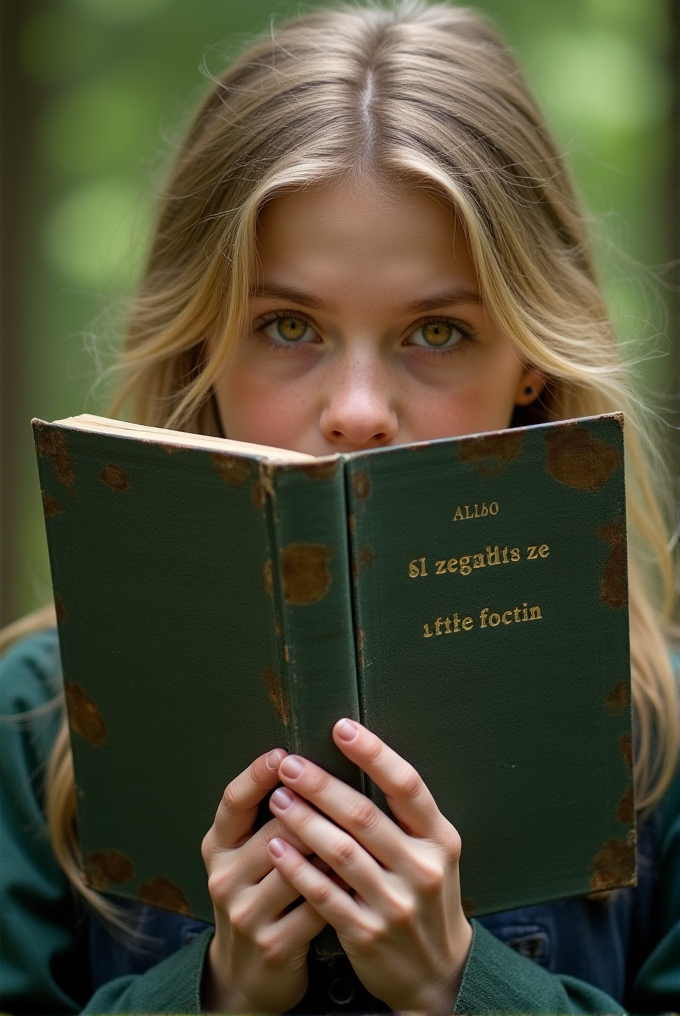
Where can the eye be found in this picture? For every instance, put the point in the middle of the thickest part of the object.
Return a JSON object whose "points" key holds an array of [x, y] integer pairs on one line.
{"points": [[288, 329], [437, 334]]}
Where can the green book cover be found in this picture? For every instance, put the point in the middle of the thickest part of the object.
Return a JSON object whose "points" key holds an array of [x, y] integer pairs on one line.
{"points": [[465, 598]]}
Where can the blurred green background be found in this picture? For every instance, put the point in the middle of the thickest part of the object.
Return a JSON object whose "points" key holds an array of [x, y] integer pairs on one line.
{"points": [[94, 92]]}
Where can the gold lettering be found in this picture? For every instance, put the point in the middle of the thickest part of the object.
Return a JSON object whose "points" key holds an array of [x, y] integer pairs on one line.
{"points": [[458, 515], [514, 554], [447, 623], [465, 568], [494, 620], [413, 569], [544, 550], [438, 626], [427, 634], [493, 508], [517, 617], [492, 555], [453, 564], [485, 510], [467, 512], [532, 553], [535, 614], [483, 617], [505, 555], [507, 614], [467, 623], [441, 567], [456, 622], [477, 560], [525, 615]]}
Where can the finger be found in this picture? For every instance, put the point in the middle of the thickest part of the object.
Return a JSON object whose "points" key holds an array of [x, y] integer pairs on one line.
{"points": [[238, 808], [411, 802], [253, 860], [327, 898], [349, 809], [335, 846]]}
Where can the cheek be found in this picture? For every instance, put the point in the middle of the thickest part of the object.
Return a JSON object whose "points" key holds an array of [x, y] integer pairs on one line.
{"points": [[260, 409], [477, 405]]}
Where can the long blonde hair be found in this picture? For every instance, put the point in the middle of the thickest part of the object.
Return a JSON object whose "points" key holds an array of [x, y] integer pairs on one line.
{"points": [[426, 95]]}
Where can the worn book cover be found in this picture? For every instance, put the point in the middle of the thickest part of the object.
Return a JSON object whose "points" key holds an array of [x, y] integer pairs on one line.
{"points": [[465, 598]]}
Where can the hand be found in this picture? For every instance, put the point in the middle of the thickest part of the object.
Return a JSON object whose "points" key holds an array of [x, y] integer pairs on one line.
{"points": [[257, 961], [403, 926]]}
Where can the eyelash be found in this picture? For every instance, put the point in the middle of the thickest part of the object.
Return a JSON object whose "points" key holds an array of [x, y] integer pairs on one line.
{"points": [[467, 335]]}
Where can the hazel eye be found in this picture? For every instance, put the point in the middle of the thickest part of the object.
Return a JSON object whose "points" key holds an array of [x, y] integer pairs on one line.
{"points": [[289, 329], [436, 335]]}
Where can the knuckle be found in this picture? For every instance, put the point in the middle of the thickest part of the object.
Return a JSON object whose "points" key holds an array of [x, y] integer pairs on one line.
{"points": [[364, 815], [343, 852], [402, 910], [219, 887], [241, 918], [429, 875], [368, 936], [453, 846], [374, 749], [410, 783], [229, 802], [319, 894], [274, 952], [208, 847]]}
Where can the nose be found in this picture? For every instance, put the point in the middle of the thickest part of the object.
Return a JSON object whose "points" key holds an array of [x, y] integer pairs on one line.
{"points": [[359, 411]]}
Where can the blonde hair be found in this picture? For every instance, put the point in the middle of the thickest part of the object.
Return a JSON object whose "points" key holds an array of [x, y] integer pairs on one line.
{"points": [[425, 96]]}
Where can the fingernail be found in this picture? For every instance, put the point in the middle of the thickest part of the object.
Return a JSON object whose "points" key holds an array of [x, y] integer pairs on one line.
{"points": [[277, 847], [282, 798], [292, 766], [346, 730], [274, 759]]}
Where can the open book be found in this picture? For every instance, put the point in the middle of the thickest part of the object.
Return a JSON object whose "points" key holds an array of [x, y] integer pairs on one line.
{"points": [[464, 598]]}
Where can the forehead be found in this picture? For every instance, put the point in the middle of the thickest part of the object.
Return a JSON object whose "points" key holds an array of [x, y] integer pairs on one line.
{"points": [[396, 234]]}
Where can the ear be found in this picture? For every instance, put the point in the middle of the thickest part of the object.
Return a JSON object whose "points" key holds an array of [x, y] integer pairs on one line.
{"points": [[530, 386]]}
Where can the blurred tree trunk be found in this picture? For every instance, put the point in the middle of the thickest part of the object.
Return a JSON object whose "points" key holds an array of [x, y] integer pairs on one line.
{"points": [[19, 103]]}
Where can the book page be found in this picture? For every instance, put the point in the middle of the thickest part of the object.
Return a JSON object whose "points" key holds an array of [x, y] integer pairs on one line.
{"points": [[103, 425]]}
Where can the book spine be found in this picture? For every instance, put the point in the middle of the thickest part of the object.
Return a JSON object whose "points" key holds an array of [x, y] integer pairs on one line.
{"points": [[312, 588]]}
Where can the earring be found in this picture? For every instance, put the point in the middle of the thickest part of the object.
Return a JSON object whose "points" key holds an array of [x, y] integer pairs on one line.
{"points": [[529, 390]]}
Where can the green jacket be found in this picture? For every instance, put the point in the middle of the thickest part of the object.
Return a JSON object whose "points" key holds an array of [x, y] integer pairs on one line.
{"points": [[46, 965]]}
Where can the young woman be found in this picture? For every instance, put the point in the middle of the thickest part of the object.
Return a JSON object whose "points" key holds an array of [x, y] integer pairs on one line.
{"points": [[369, 238]]}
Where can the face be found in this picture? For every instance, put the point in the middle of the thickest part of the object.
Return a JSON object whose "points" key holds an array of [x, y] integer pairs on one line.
{"points": [[367, 328]]}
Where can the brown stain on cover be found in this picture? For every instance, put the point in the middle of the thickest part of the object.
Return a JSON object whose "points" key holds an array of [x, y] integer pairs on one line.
{"points": [[359, 638], [172, 449], [578, 459], [105, 868], [84, 717], [268, 579], [51, 444], [233, 469], [258, 495], [626, 749], [625, 812], [614, 582], [306, 575], [60, 608], [163, 893], [361, 484], [490, 455], [614, 865], [617, 699], [51, 507], [364, 557], [115, 479], [272, 683], [323, 472], [468, 905]]}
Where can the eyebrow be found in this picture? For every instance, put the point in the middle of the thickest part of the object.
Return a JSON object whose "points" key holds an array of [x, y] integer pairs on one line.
{"points": [[445, 298]]}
